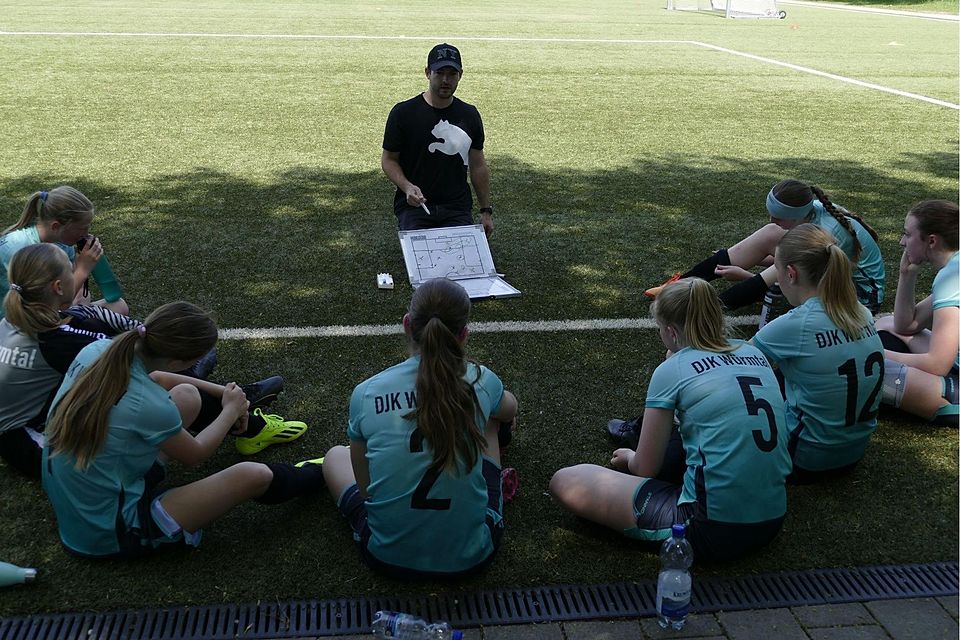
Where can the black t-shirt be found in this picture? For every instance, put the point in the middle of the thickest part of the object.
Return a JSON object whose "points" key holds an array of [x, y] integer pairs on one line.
{"points": [[434, 146]]}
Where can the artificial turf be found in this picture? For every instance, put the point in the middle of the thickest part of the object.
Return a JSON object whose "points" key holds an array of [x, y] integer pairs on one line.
{"points": [[242, 174]]}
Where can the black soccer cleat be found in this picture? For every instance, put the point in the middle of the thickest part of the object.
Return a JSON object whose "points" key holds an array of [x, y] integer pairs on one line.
{"points": [[263, 392], [625, 433]]}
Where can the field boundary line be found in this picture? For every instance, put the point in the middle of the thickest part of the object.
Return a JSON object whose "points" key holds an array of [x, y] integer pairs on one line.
{"points": [[942, 17], [706, 45], [499, 326], [832, 76]]}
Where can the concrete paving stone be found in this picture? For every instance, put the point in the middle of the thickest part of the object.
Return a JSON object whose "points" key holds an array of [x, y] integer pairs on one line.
{"points": [[914, 618], [545, 631], [833, 615], [951, 604], [602, 630], [864, 632], [698, 625], [761, 624]]}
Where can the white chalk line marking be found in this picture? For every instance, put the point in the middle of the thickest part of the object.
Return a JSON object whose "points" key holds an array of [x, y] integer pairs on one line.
{"points": [[942, 17], [506, 326], [281, 36]]}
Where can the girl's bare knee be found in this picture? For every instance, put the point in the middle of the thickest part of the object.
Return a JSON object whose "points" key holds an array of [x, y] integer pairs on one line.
{"points": [[185, 396], [563, 481], [258, 476]]}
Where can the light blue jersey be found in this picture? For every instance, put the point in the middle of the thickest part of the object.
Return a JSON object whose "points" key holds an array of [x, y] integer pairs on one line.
{"points": [[95, 505], [13, 242], [946, 289], [419, 519], [869, 274], [833, 384], [733, 431]]}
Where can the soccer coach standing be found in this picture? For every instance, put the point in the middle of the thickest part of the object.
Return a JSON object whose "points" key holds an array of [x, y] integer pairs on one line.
{"points": [[429, 144]]}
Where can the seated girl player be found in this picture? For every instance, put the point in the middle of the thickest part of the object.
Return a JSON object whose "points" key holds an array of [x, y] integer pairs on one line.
{"points": [[112, 425], [829, 354], [62, 216], [420, 483], [789, 203], [921, 338], [41, 335], [731, 443]]}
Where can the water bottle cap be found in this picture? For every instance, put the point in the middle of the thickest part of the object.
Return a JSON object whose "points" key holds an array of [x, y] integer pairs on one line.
{"points": [[679, 530], [457, 635], [29, 575]]}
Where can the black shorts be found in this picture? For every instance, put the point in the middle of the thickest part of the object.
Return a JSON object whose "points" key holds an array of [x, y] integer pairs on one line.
{"points": [[354, 509], [656, 510], [20, 450], [412, 218]]}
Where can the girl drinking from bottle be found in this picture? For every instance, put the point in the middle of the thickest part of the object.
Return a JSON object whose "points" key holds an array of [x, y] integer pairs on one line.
{"points": [[790, 203], [41, 335], [112, 424], [420, 481], [829, 354], [729, 430], [921, 338], [63, 216]]}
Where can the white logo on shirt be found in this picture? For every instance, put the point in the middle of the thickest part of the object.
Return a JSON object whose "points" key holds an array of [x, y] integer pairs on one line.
{"points": [[455, 140], [17, 357]]}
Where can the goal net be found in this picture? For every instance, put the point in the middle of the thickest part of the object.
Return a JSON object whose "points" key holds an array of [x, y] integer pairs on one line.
{"points": [[731, 8]]}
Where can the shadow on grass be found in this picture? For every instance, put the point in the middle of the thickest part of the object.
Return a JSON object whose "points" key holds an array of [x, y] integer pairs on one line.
{"points": [[303, 246]]}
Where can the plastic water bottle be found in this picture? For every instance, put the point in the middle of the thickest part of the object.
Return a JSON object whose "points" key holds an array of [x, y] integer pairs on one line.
{"points": [[12, 574], [403, 626], [104, 277], [674, 582]]}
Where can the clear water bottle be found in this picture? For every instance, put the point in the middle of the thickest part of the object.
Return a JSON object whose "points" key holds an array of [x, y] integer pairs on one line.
{"points": [[403, 626], [674, 582], [12, 574]]}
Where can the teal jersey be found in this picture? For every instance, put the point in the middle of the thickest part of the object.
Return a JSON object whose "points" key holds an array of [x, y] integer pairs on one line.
{"points": [[93, 505], [13, 242], [833, 383], [946, 289], [733, 430], [869, 274], [420, 519]]}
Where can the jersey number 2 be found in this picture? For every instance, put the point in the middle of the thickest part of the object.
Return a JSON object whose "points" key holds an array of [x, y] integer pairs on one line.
{"points": [[754, 407], [419, 500]]}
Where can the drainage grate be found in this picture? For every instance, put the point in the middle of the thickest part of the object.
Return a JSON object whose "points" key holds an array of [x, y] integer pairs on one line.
{"points": [[501, 606]]}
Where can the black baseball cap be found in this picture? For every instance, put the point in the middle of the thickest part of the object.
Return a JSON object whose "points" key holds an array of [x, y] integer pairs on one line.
{"points": [[444, 55]]}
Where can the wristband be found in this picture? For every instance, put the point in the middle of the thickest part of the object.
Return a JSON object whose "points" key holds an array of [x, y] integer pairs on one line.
{"points": [[484, 210]]}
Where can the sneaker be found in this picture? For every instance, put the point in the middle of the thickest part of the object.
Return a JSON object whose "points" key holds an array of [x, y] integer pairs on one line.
{"points": [[264, 392], [203, 367], [277, 430], [653, 292], [509, 484], [316, 461], [625, 433]]}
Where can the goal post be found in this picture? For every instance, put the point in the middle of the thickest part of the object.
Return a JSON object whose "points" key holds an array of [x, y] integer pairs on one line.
{"points": [[731, 8]]}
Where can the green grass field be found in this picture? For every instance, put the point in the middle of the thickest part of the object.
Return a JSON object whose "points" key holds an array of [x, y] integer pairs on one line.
{"points": [[243, 174]]}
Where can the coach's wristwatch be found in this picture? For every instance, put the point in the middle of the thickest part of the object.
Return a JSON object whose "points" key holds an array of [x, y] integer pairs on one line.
{"points": [[487, 210]]}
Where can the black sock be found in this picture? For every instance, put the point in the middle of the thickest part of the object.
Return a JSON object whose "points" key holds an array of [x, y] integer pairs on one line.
{"points": [[744, 293], [210, 408], [505, 434], [291, 482], [892, 342], [255, 425], [705, 269]]}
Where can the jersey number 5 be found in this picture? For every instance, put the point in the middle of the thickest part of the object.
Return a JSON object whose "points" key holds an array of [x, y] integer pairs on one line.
{"points": [[849, 370], [419, 500], [754, 407]]}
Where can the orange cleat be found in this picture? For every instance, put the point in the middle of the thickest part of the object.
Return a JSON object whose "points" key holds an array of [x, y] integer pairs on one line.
{"points": [[653, 292]]}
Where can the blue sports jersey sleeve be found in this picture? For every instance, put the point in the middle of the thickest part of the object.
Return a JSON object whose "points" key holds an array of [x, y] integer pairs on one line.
{"points": [[489, 390], [356, 413], [780, 340], [664, 385], [946, 284]]}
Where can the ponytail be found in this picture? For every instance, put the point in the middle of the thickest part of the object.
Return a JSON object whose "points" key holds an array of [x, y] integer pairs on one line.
{"points": [[843, 217], [79, 424], [30, 304], [693, 306], [447, 408], [63, 204], [819, 259]]}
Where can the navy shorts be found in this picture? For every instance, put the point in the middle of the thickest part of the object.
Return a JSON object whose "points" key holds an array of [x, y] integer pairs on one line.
{"points": [[656, 510], [354, 509]]}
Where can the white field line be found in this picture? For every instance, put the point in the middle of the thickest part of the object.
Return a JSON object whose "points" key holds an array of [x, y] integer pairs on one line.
{"points": [[833, 76], [942, 17], [509, 326], [279, 36]]}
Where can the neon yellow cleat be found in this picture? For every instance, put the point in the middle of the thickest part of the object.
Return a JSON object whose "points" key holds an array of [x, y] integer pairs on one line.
{"points": [[316, 461], [277, 430]]}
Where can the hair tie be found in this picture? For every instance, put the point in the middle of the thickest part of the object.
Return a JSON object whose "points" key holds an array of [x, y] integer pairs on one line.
{"points": [[16, 287], [43, 195], [437, 316], [142, 330]]}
